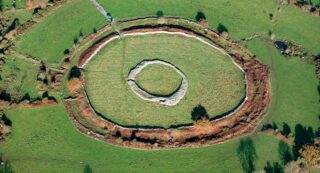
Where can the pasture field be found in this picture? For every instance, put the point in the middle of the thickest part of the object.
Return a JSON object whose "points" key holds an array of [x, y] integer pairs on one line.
{"points": [[239, 23], [19, 78], [48, 142], [295, 98], [214, 81], [289, 27], [22, 15], [49, 39], [43, 139], [81, 15], [19, 4], [158, 79]]}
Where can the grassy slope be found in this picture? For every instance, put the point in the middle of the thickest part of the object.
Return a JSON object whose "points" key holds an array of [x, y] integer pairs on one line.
{"points": [[158, 79], [240, 23], [214, 81], [289, 26], [23, 77], [66, 22], [48, 142], [294, 87], [19, 4], [22, 14], [48, 39]]}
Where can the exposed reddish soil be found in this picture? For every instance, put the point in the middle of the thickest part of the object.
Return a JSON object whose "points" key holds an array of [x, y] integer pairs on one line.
{"points": [[34, 104], [237, 123]]}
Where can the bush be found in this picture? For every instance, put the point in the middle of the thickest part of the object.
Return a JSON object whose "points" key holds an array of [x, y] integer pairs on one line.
{"points": [[200, 16], [311, 154], [198, 113], [75, 72]]}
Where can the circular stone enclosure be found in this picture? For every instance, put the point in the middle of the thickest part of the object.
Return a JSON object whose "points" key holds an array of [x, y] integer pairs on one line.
{"points": [[211, 79], [170, 100], [241, 120], [159, 80]]}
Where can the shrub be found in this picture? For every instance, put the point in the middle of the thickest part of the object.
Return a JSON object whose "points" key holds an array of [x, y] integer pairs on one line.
{"points": [[74, 73], [200, 16], [311, 154]]}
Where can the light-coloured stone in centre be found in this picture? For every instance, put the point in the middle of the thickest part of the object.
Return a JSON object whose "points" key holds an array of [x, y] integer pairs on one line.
{"points": [[170, 100]]}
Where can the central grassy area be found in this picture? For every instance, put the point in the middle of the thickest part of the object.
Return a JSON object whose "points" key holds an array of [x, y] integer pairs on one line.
{"points": [[158, 79], [214, 81]]}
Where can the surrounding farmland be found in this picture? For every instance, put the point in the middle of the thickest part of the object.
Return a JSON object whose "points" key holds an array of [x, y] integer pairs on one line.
{"points": [[19, 78], [58, 147], [60, 30], [239, 23], [295, 99], [38, 65], [208, 71], [9, 4]]}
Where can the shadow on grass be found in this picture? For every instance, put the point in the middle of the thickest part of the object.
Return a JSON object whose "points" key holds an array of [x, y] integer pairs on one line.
{"points": [[200, 16], [274, 168], [247, 155], [199, 112], [222, 28], [285, 152]]}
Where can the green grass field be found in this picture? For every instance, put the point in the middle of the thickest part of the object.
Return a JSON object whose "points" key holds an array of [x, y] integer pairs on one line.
{"points": [[158, 79], [240, 23], [214, 81], [19, 77], [44, 140], [295, 98], [48, 39], [8, 4], [22, 14], [289, 27], [68, 21]]}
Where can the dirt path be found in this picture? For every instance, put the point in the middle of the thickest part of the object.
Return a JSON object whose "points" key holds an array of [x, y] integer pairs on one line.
{"points": [[107, 16]]}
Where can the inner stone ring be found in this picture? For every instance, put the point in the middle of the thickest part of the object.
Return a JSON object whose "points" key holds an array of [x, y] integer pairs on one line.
{"points": [[171, 100]]}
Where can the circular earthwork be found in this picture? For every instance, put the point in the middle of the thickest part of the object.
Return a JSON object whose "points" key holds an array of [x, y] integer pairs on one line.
{"points": [[239, 120]]}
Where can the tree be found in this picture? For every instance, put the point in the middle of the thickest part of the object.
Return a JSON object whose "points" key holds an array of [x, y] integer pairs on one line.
{"points": [[13, 25], [221, 28], [200, 16], [74, 73], [159, 13], [286, 130], [285, 153], [247, 154], [274, 168], [87, 169], [199, 112], [1, 5], [311, 154], [303, 135]]}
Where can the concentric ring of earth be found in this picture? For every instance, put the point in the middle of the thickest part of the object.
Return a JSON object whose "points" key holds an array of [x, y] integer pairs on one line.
{"points": [[215, 82]]}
